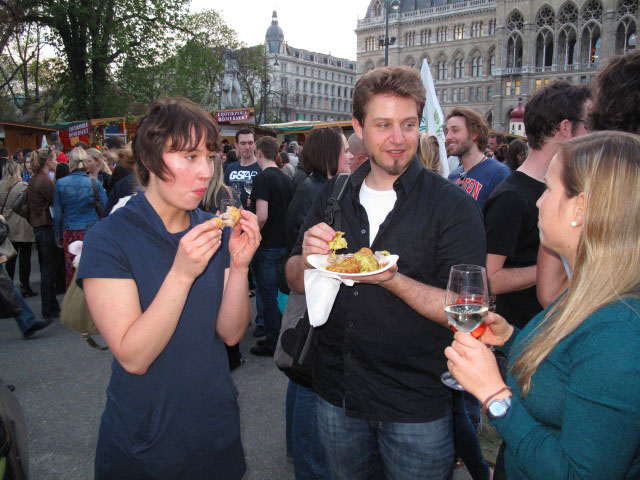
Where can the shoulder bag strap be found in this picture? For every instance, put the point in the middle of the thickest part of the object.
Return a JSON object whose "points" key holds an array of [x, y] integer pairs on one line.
{"points": [[96, 200], [7, 197], [333, 213]]}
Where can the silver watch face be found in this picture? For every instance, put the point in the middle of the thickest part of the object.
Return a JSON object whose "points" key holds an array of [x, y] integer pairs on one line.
{"points": [[498, 408]]}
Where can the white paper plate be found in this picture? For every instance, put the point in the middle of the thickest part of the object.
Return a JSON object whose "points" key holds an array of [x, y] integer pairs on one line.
{"points": [[319, 262]]}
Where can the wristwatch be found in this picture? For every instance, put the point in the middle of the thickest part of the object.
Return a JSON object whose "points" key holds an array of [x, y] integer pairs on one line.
{"points": [[498, 408]]}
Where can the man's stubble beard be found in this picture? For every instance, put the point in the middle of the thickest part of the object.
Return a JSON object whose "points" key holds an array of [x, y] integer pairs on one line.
{"points": [[462, 150]]}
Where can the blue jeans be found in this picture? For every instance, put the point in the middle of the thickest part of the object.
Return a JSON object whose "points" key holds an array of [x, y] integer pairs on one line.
{"points": [[303, 440], [466, 420], [359, 449], [259, 305], [269, 263], [26, 318], [49, 254]]}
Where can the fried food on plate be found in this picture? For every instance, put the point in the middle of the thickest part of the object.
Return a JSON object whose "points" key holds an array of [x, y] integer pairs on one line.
{"points": [[338, 243], [230, 218], [362, 261]]}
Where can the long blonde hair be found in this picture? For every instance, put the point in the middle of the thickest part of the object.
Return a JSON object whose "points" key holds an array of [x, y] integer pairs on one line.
{"points": [[430, 152], [10, 175], [606, 167], [215, 184]]}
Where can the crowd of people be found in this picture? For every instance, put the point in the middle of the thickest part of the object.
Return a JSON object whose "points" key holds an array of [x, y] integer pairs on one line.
{"points": [[554, 220]]}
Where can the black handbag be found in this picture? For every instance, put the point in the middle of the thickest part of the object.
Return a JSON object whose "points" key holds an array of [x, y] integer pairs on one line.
{"points": [[297, 345], [20, 205]]}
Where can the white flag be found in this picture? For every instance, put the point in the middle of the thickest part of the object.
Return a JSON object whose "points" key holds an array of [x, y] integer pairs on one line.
{"points": [[432, 116], [43, 144]]}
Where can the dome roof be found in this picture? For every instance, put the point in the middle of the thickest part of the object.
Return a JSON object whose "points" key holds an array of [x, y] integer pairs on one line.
{"points": [[274, 35], [517, 115]]}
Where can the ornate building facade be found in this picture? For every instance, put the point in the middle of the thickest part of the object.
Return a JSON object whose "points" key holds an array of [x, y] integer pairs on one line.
{"points": [[307, 85], [485, 54]]}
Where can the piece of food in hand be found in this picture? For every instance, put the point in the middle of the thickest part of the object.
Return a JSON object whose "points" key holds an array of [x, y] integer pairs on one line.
{"points": [[230, 218], [338, 243], [362, 261]]}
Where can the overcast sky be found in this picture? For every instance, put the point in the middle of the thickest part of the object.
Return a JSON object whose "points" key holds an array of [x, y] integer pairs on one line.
{"points": [[325, 26]]}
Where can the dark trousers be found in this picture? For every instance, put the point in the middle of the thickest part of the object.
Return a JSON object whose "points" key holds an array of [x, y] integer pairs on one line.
{"points": [[466, 419], [48, 253], [24, 264]]}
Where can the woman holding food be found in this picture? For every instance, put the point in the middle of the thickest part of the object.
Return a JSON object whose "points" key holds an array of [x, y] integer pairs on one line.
{"points": [[166, 297], [570, 406]]}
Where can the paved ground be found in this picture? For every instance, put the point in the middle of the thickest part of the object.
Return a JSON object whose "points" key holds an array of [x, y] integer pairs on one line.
{"points": [[60, 382]]}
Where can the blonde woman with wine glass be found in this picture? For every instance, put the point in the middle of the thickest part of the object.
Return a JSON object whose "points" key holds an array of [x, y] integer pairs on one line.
{"points": [[570, 406]]}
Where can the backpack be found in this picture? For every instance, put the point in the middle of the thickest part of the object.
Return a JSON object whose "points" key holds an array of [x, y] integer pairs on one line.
{"points": [[298, 341], [14, 440]]}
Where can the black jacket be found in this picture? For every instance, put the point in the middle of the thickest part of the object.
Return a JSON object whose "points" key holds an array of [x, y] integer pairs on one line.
{"points": [[300, 206]]}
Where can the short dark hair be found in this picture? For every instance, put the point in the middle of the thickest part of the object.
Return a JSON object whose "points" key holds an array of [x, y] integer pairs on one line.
{"points": [[284, 158], [268, 146], [82, 145], [172, 125], [617, 95], [402, 82], [4, 152], [245, 131], [231, 156], [475, 124], [498, 136], [549, 106], [57, 145], [321, 151], [113, 142]]}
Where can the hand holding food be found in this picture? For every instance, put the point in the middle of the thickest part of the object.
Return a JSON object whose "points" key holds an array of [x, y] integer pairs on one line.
{"points": [[363, 261], [230, 218]]}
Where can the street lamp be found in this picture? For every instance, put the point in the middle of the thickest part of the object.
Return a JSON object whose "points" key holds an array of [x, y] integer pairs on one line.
{"points": [[386, 41]]}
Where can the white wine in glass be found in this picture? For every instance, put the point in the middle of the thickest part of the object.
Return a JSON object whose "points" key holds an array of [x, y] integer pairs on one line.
{"points": [[466, 304]]}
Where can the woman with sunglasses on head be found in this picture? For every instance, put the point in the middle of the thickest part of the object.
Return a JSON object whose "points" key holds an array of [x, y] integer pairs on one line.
{"points": [[167, 289], [569, 408]]}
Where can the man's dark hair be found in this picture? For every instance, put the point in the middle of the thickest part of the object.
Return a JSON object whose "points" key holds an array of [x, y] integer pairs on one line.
{"points": [[321, 151], [268, 146], [113, 142], [170, 125], [475, 124], [57, 145], [402, 82], [616, 90], [499, 138], [548, 107], [244, 131], [4, 152], [232, 156], [82, 145], [225, 141], [26, 151]]}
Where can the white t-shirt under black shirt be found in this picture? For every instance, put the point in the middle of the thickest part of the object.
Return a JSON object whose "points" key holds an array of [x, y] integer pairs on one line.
{"points": [[378, 204]]}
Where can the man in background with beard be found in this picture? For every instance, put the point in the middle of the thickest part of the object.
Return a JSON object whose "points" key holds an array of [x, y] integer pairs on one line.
{"points": [[466, 137]]}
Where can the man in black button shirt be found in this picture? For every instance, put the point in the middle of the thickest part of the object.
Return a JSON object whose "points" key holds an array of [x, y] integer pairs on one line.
{"points": [[381, 405]]}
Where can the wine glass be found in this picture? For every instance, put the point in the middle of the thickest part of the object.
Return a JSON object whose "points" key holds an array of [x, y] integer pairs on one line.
{"points": [[466, 305], [229, 202], [248, 186]]}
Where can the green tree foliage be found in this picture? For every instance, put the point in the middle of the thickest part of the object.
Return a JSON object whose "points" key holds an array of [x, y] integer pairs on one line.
{"points": [[194, 64], [92, 36]]}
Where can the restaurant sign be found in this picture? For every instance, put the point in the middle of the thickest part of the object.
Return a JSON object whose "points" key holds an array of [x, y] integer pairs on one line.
{"points": [[232, 115], [79, 129]]}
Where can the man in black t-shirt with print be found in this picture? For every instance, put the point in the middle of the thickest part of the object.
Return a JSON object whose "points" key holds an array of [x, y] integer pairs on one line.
{"points": [[270, 198], [556, 113], [240, 173]]}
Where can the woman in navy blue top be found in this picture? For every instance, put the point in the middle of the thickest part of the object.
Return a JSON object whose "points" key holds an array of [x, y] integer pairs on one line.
{"points": [[166, 292]]}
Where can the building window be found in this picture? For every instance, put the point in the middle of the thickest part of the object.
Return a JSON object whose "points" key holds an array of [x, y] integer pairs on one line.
{"points": [[492, 65], [476, 29], [591, 44], [512, 88], [425, 36], [461, 94], [377, 9], [410, 39], [626, 36], [544, 48], [370, 44], [472, 96], [458, 32], [476, 66], [442, 70], [514, 51], [567, 45], [479, 94], [441, 34], [454, 95], [297, 85], [458, 71], [492, 27], [489, 93], [445, 95]]}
